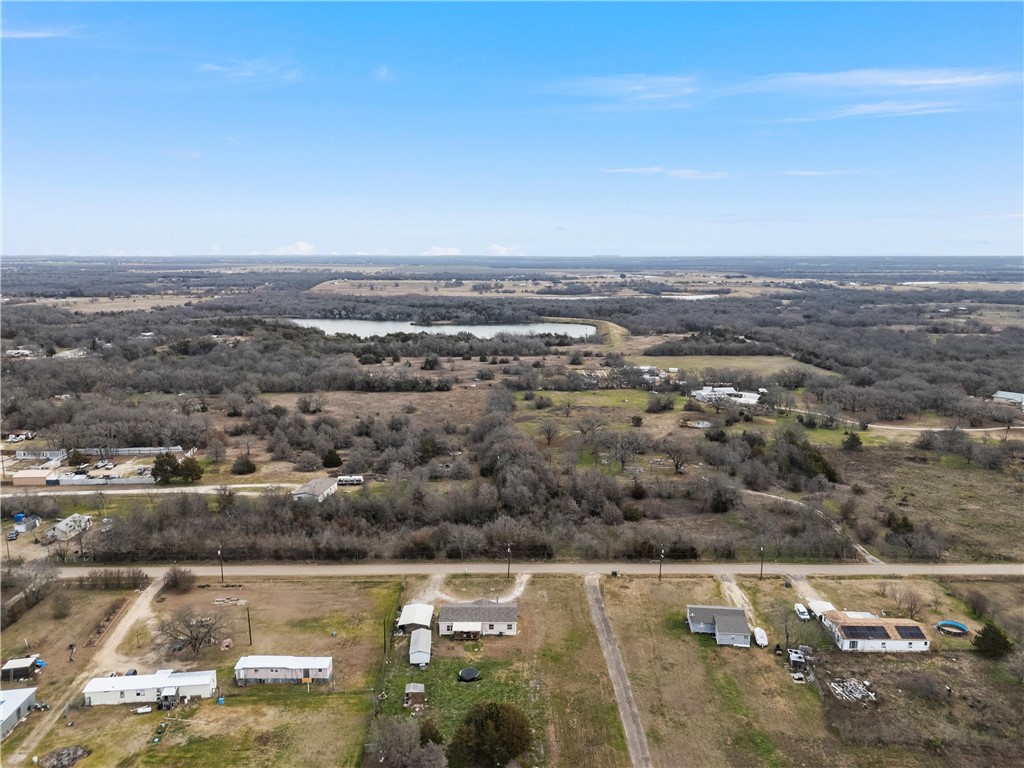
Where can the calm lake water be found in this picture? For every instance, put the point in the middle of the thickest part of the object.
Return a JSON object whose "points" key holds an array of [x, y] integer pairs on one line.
{"points": [[366, 328]]}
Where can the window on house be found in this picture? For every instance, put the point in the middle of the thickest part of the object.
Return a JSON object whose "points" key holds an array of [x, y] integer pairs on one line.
{"points": [[883, 645], [509, 627], [853, 645], [122, 694], [490, 626]]}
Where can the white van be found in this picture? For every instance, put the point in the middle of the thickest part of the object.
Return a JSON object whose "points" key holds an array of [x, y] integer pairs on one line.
{"points": [[801, 612]]}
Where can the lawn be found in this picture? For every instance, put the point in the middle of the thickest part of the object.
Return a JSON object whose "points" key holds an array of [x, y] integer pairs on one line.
{"points": [[571, 706]]}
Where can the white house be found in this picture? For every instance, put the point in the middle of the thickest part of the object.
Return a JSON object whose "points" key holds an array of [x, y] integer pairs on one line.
{"points": [[865, 632], [727, 624], [416, 616], [725, 394], [251, 670], [69, 527], [316, 490], [15, 703], [165, 687], [482, 617], [419, 647], [1009, 398]]}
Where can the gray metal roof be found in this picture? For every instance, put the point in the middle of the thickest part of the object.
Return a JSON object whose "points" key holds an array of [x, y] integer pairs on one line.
{"points": [[483, 611], [725, 618], [316, 487]]}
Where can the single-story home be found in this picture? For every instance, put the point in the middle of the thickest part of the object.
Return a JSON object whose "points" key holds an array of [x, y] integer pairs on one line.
{"points": [[1009, 398], [15, 703], [713, 394], [165, 687], [415, 695], [419, 647], [69, 527], [35, 477], [727, 624], [865, 632], [482, 617], [316, 490], [19, 669], [416, 616], [283, 669]]}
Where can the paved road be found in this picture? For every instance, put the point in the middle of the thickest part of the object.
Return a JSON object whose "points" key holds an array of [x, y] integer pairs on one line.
{"points": [[636, 741], [384, 568]]}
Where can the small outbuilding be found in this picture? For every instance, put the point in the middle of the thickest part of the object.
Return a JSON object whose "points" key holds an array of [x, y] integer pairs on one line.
{"points": [[419, 647], [15, 703], [727, 624], [34, 477], [19, 669], [253, 670], [316, 490], [416, 616], [415, 695], [1009, 398], [27, 524]]}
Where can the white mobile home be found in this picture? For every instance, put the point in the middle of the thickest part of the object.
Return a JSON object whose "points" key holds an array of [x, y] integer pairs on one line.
{"points": [[164, 687], [864, 632], [316, 490], [15, 703], [252, 670], [419, 647]]}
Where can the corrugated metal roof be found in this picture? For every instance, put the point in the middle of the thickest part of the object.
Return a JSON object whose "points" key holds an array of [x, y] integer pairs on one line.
{"points": [[284, 662], [416, 613], [160, 678]]}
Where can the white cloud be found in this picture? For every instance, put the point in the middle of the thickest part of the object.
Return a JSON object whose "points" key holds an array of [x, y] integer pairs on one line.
{"points": [[33, 34], [676, 173], [189, 154], [441, 250], [632, 90], [504, 250], [256, 71], [383, 74], [300, 248], [882, 109], [883, 80]]}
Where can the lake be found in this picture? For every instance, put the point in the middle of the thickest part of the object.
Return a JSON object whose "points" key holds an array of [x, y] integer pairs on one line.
{"points": [[366, 328]]}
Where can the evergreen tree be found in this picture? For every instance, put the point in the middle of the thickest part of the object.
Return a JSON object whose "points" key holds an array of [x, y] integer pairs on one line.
{"points": [[991, 641]]}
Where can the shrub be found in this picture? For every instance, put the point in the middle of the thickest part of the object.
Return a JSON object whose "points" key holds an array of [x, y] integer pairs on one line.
{"points": [[243, 465], [493, 733], [179, 580], [61, 606]]}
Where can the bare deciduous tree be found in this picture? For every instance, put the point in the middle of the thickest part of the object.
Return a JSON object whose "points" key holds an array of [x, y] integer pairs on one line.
{"points": [[676, 450], [187, 629], [549, 429]]}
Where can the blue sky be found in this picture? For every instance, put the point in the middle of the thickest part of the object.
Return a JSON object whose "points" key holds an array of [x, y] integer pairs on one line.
{"points": [[666, 129]]}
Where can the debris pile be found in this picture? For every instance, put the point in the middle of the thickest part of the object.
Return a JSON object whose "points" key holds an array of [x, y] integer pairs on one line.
{"points": [[64, 757], [851, 690]]}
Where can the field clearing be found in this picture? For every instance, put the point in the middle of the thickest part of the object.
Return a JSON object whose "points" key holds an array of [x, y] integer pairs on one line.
{"points": [[1005, 597], [140, 303], [717, 706], [761, 364], [572, 706], [976, 510]]}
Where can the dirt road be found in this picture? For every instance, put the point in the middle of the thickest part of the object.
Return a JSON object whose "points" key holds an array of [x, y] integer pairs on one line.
{"points": [[636, 741]]}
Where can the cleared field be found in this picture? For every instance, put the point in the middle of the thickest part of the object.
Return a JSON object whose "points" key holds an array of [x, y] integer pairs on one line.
{"points": [[141, 303], [705, 705], [762, 364], [258, 726], [571, 705]]}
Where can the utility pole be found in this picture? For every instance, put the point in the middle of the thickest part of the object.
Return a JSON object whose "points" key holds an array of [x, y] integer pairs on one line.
{"points": [[661, 562], [221, 565], [507, 575], [248, 620], [761, 577]]}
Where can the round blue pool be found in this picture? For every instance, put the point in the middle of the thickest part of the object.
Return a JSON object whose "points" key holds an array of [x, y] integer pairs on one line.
{"points": [[955, 628]]}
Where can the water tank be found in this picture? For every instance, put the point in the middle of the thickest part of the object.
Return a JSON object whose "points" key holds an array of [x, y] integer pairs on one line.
{"points": [[19, 516]]}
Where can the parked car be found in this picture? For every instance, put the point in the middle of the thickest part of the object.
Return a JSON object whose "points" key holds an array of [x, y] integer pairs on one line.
{"points": [[12, 535], [801, 612], [131, 672]]}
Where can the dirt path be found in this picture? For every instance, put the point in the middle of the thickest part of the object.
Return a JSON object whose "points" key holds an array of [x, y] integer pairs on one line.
{"points": [[636, 741], [866, 556], [804, 589], [737, 596], [106, 659], [431, 592]]}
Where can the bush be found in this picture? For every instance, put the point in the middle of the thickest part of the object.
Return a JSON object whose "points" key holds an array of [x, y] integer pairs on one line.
{"points": [[331, 459], [61, 606], [179, 580], [493, 733], [243, 465]]}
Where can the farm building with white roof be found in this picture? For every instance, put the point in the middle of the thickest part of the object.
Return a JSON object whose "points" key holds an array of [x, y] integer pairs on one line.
{"points": [[251, 670], [165, 686]]}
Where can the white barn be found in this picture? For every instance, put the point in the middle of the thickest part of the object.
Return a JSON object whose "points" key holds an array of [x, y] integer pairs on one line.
{"points": [[864, 632], [165, 686], [15, 703], [419, 647], [727, 624], [251, 670], [416, 616]]}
